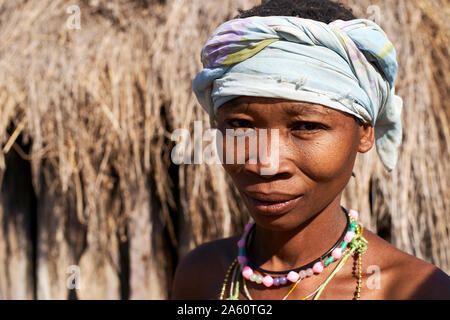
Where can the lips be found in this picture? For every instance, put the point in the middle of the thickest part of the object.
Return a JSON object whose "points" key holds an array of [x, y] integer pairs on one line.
{"points": [[273, 203]]}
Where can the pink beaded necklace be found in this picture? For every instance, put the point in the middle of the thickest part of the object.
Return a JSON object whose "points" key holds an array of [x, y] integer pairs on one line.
{"points": [[293, 275]]}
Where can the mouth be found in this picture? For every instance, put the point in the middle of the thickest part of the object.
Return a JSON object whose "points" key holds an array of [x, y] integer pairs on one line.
{"points": [[272, 204]]}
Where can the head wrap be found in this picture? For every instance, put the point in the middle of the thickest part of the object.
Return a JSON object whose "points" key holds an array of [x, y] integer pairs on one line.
{"points": [[349, 66]]}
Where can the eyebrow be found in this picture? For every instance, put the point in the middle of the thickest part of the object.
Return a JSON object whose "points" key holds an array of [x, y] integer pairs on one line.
{"points": [[292, 109], [235, 106], [298, 109]]}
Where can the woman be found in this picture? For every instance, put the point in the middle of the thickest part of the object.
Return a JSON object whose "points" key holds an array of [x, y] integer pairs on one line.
{"points": [[325, 81]]}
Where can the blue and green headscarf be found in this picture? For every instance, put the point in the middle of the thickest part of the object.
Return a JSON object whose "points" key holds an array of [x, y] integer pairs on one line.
{"points": [[349, 66]]}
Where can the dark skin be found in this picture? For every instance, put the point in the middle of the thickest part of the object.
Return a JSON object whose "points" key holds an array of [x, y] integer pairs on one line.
{"points": [[317, 151]]}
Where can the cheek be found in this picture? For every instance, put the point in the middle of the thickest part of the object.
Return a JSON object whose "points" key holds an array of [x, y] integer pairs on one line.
{"points": [[327, 156], [230, 154]]}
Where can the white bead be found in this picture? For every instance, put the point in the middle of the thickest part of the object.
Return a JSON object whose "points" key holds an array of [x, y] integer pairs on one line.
{"points": [[259, 279], [302, 274]]}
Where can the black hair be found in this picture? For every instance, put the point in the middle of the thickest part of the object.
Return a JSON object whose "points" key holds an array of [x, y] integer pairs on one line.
{"points": [[321, 10]]}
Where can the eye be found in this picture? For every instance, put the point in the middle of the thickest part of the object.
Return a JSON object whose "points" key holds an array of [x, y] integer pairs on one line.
{"points": [[307, 127], [239, 123]]}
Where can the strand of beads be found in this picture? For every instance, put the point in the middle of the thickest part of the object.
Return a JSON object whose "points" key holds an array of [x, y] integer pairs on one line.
{"points": [[311, 294], [225, 281], [361, 249], [249, 274], [293, 276], [358, 243], [337, 253]]}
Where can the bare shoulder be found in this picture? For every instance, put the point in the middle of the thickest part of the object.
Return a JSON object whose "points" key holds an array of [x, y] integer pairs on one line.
{"points": [[404, 276], [200, 273]]}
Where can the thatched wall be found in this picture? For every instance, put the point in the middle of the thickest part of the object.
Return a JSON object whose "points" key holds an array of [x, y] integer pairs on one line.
{"points": [[88, 188]]}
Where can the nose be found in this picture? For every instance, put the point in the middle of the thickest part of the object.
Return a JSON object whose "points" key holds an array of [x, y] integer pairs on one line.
{"points": [[272, 157], [268, 171]]}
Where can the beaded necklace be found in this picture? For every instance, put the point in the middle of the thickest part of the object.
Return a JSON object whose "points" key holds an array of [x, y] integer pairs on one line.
{"points": [[307, 268], [352, 239]]}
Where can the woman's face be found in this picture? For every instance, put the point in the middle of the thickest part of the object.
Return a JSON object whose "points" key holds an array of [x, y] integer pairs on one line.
{"points": [[317, 147]]}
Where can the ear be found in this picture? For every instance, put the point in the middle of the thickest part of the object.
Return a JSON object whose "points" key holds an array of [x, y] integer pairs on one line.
{"points": [[366, 140]]}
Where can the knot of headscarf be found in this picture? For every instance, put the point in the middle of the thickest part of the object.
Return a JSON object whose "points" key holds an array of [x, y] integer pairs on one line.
{"points": [[349, 66]]}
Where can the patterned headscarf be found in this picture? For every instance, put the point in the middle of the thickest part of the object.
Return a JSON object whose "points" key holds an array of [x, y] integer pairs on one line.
{"points": [[349, 66]]}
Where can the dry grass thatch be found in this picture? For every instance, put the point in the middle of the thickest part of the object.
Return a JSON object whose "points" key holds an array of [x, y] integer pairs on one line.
{"points": [[86, 122]]}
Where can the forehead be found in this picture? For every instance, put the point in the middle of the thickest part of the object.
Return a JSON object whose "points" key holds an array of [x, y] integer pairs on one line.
{"points": [[246, 104]]}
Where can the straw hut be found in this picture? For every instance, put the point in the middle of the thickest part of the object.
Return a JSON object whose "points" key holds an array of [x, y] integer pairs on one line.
{"points": [[91, 205]]}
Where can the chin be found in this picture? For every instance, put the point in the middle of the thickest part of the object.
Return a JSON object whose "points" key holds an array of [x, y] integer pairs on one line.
{"points": [[283, 222]]}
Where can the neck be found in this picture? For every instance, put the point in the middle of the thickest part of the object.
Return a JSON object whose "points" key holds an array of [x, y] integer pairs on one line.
{"points": [[283, 250]]}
